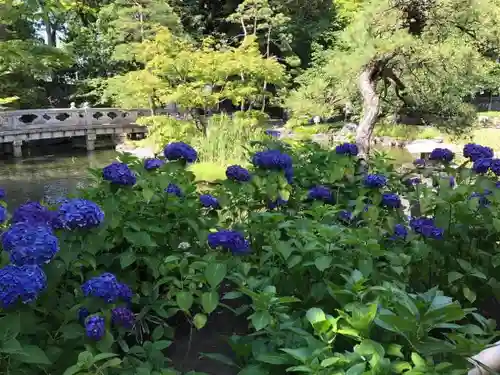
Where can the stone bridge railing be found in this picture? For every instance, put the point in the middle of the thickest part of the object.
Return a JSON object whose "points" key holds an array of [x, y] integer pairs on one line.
{"points": [[63, 117]]}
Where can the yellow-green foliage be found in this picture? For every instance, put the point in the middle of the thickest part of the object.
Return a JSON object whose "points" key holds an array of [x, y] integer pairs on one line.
{"points": [[166, 129], [196, 76]]}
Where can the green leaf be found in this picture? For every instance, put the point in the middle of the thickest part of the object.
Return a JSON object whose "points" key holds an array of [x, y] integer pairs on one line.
{"points": [[103, 356], [273, 358], [199, 321], [469, 294], [300, 354], [315, 315], [261, 319], [253, 370], [158, 333], [323, 262], [114, 362], [358, 369], [184, 300], [220, 358], [140, 239], [418, 361], [215, 273], [395, 350], [127, 259], [75, 369], [209, 301], [329, 361], [104, 345], [11, 346], [147, 194], [32, 354], [454, 276], [161, 345]]}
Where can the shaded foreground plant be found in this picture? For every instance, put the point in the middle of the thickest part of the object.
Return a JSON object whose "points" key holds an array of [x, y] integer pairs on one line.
{"points": [[332, 274]]}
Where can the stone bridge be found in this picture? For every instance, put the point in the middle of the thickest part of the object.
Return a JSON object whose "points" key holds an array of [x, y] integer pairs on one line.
{"points": [[18, 127]]}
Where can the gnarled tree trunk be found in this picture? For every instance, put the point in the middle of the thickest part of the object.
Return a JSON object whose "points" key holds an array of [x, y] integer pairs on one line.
{"points": [[371, 107]]}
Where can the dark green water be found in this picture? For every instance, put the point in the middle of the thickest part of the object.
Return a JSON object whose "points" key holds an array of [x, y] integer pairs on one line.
{"points": [[49, 177]]}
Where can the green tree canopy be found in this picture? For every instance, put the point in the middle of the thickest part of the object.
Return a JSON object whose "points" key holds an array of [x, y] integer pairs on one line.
{"points": [[417, 57], [196, 76]]}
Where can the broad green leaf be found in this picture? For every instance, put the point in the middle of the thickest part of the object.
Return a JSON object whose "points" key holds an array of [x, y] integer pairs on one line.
{"points": [[184, 300], [323, 262], [358, 369], [261, 319], [199, 321], [209, 301], [32, 354], [315, 315], [274, 358], [215, 273], [454, 276], [469, 294], [128, 258], [300, 354]]}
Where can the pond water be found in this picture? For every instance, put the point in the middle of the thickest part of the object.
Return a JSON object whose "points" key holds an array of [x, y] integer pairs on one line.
{"points": [[51, 176]]}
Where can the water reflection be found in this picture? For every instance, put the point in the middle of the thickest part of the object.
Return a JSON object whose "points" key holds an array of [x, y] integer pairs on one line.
{"points": [[49, 177]]}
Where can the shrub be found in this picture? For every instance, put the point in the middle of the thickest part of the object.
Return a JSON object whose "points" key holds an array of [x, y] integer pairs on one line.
{"points": [[329, 271]]}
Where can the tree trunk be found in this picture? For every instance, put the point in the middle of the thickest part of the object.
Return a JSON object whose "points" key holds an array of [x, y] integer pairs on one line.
{"points": [[371, 108]]}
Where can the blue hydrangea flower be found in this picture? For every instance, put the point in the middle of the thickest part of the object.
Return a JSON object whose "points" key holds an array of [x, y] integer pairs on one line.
{"points": [[452, 181], [279, 202], [173, 189], [391, 200], [419, 163], [229, 240], [33, 213], [23, 284], [3, 214], [375, 181], [2, 194], [150, 164], [35, 246], [107, 287], [321, 193], [475, 152], [400, 232], [442, 154], [95, 327], [209, 201], [413, 181], [425, 226], [345, 216], [272, 160], [349, 149], [78, 213], [119, 174], [238, 173], [481, 166], [123, 317], [273, 133], [497, 184], [482, 197], [82, 314], [180, 151], [495, 166]]}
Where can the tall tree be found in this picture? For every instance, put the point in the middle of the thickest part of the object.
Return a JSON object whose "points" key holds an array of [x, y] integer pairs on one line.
{"points": [[26, 62], [415, 57]]}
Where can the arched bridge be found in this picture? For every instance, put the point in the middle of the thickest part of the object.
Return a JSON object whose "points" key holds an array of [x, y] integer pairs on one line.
{"points": [[18, 127]]}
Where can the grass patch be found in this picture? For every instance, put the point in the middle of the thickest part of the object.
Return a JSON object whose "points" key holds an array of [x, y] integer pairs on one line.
{"points": [[489, 113], [208, 172]]}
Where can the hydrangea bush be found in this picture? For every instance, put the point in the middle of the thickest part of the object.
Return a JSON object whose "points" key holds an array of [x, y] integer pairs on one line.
{"points": [[336, 271]]}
